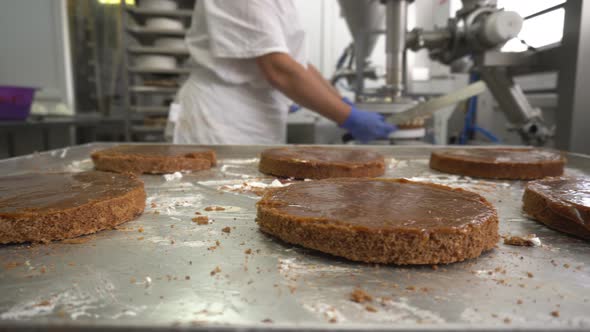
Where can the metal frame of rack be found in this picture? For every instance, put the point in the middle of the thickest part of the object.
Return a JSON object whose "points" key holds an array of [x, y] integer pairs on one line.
{"points": [[143, 101]]}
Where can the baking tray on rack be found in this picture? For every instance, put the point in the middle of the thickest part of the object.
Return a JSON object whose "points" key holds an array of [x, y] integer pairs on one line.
{"points": [[162, 271]]}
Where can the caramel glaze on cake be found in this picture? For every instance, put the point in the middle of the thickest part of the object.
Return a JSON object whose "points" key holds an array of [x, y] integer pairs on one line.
{"points": [[153, 159], [561, 203], [321, 163], [381, 220], [45, 207], [499, 163]]}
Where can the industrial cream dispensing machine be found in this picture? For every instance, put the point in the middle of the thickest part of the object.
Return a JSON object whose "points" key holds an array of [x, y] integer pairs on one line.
{"points": [[477, 32]]}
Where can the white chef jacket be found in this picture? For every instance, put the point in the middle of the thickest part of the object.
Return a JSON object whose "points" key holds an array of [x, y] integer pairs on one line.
{"points": [[226, 99]]}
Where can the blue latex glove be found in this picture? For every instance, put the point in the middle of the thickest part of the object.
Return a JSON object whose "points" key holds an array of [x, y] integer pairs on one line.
{"points": [[367, 126], [294, 108]]}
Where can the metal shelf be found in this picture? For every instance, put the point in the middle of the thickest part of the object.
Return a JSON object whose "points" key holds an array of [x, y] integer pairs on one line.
{"points": [[147, 129], [143, 70], [152, 89], [158, 50], [152, 32], [150, 110], [138, 12], [140, 39]]}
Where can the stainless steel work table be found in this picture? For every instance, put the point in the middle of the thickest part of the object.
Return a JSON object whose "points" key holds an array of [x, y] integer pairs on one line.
{"points": [[156, 272]]}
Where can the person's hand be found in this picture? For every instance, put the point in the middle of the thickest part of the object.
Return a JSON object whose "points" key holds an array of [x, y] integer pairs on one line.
{"points": [[367, 126]]}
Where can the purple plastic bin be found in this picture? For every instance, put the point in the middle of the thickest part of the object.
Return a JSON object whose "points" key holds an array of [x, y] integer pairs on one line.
{"points": [[15, 102]]}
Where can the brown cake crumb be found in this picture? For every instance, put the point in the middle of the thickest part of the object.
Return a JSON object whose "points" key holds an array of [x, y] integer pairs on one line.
{"points": [[360, 296], [530, 274], [434, 267], [267, 320], [197, 213], [411, 288], [370, 308], [566, 265], [214, 208], [519, 301], [248, 251], [530, 240], [201, 220], [140, 229], [187, 277], [555, 313], [43, 303], [215, 271], [226, 229], [11, 265], [385, 299], [78, 240]]}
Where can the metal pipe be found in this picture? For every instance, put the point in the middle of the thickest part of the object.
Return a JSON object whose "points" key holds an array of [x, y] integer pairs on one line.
{"points": [[435, 39], [360, 61], [545, 11], [469, 5], [395, 45]]}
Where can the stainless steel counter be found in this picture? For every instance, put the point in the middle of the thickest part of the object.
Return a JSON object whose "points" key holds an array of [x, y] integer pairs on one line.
{"points": [[156, 272]]}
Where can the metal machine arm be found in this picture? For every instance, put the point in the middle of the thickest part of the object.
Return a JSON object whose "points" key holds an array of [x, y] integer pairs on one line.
{"points": [[396, 12], [477, 28], [480, 27], [528, 120]]}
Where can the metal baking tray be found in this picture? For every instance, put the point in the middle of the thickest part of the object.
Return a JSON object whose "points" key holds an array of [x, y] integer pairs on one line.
{"points": [[156, 272]]}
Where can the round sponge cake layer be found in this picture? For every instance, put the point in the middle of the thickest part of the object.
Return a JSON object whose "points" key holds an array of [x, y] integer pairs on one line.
{"points": [[499, 163], [55, 206], [381, 220], [321, 163], [153, 159]]}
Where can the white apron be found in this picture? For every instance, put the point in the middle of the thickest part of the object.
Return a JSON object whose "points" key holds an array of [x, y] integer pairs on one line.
{"points": [[226, 99]]}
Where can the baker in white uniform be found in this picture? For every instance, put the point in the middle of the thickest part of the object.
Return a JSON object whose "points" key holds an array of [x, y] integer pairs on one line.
{"points": [[249, 60]]}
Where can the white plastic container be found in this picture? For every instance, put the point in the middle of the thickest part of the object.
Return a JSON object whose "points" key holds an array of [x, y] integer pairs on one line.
{"points": [[164, 23], [155, 62], [158, 4], [173, 43]]}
